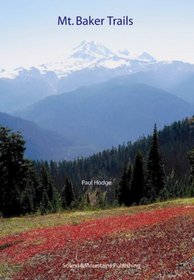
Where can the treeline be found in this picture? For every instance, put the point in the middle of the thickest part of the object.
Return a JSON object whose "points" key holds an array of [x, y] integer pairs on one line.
{"points": [[175, 142], [153, 168]]}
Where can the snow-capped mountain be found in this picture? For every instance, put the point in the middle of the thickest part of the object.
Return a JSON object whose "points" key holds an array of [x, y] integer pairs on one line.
{"points": [[86, 55], [91, 55]]}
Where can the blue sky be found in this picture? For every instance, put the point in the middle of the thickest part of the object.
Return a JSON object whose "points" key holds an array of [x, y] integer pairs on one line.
{"points": [[30, 35]]}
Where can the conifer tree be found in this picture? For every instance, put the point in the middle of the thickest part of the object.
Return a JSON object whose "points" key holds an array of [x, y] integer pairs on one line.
{"points": [[191, 158], [123, 188], [45, 204], [14, 171], [27, 198], [138, 180], [155, 171], [67, 194], [47, 191]]}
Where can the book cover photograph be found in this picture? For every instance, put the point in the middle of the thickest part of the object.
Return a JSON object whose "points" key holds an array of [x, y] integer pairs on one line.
{"points": [[97, 140]]}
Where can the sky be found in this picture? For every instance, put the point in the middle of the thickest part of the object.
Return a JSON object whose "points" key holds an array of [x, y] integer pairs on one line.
{"points": [[29, 34]]}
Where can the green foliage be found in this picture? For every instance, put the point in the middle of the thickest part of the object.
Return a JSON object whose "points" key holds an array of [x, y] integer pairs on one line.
{"points": [[123, 188], [67, 194], [14, 172], [48, 198], [138, 180], [21, 189], [155, 170], [191, 158]]}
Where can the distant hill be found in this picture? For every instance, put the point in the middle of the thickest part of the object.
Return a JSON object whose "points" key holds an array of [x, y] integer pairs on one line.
{"points": [[40, 143], [25, 89], [108, 114], [176, 78], [185, 89]]}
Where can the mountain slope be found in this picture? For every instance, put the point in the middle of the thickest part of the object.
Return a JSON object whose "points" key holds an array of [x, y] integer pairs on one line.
{"points": [[108, 114], [185, 89], [175, 77], [25, 89], [40, 143]]}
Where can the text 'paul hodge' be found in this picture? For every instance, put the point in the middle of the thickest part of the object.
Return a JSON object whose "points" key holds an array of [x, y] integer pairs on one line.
{"points": [[96, 183]]}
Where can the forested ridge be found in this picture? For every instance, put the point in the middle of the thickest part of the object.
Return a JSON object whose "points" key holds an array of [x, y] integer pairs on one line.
{"points": [[175, 142], [152, 168]]}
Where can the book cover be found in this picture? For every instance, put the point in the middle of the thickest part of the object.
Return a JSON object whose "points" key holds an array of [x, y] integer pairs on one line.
{"points": [[96, 139]]}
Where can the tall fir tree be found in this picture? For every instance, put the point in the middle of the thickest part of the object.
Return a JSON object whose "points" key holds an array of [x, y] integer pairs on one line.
{"points": [[14, 172], [138, 180], [155, 170], [49, 196], [67, 194], [191, 153], [4, 132], [191, 158], [123, 188], [28, 195]]}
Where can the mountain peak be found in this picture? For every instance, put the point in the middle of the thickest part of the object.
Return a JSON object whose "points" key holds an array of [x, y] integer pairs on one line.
{"points": [[91, 50], [146, 57]]}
